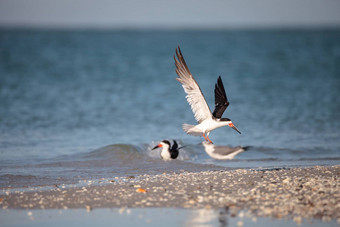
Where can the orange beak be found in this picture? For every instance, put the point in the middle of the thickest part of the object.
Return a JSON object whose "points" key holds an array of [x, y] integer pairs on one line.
{"points": [[159, 145], [231, 125]]}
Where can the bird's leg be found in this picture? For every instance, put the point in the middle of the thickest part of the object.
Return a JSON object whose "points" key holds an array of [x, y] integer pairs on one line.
{"points": [[205, 137], [209, 139]]}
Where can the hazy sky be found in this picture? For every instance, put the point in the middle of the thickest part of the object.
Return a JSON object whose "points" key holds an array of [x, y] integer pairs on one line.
{"points": [[169, 13]]}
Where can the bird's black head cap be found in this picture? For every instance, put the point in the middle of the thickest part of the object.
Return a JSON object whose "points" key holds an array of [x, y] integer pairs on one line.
{"points": [[167, 142]]}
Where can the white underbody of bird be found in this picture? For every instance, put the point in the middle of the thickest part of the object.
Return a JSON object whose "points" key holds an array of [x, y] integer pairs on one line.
{"points": [[207, 121], [205, 127]]}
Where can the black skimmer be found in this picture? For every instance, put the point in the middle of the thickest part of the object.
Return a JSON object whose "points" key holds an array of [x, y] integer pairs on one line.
{"points": [[222, 152], [168, 152], [207, 121]]}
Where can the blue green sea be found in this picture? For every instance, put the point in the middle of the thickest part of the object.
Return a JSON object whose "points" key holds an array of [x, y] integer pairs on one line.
{"points": [[91, 103]]}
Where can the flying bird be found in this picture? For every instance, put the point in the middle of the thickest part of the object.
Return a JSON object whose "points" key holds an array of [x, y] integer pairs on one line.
{"points": [[207, 121], [168, 152]]}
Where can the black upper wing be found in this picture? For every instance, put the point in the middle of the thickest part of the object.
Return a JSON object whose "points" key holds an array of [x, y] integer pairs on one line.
{"points": [[221, 100], [174, 146], [174, 151]]}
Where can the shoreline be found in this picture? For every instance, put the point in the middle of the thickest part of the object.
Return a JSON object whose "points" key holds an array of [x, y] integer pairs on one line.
{"points": [[297, 193]]}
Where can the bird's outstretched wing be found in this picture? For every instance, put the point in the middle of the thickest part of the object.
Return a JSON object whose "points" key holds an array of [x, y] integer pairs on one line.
{"points": [[194, 96], [221, 100]]}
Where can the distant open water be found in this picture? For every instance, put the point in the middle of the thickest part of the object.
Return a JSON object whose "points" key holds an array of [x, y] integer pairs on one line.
{"points": [[90, 104]]}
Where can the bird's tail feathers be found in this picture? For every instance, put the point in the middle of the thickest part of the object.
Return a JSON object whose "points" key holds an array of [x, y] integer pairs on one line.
{"points": [[190, 129]]}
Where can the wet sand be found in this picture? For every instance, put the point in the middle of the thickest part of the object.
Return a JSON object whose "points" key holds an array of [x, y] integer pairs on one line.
{"points": [[297, 193]]}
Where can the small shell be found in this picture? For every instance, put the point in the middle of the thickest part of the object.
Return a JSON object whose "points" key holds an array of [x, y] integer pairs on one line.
{"points": [[141, 190]]}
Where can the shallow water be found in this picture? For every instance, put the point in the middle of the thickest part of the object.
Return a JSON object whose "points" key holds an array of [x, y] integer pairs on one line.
{"points": [[143, 217], [67, 95]]}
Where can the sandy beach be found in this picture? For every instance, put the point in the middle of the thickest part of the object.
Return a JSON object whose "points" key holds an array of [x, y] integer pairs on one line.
{"points": [[297, 193]]}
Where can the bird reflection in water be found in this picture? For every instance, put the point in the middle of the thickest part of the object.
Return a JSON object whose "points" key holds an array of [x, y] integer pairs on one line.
{"points": [[208, 217]]}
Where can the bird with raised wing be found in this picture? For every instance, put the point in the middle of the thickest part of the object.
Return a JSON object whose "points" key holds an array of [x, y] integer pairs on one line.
{"points": [[207, 121], [168, 152]]}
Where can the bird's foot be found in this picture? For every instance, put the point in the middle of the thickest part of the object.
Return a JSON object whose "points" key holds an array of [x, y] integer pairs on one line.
{"points": [[207, 139]]}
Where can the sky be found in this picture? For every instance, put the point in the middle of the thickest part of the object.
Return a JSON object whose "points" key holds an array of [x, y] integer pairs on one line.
{"points": [[169, 13]]}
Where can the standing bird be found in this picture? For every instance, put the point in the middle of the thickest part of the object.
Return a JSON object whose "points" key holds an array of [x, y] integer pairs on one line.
{"points": [[168, 152], [207, 121]]}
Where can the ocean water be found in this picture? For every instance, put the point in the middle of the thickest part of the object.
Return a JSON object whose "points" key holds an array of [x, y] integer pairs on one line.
{"points": [[91, 104]]}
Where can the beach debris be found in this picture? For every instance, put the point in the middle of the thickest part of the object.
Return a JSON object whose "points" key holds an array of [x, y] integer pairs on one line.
{"points": [[30, 215], [122, 210], [286, 180], [88, 208], [297, 220], [142, 190]]}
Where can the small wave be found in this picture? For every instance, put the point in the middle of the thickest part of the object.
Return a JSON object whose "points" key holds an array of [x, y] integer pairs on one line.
{"points": [[120, 151], [196, 153], [133, 152], [189, 152]]}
